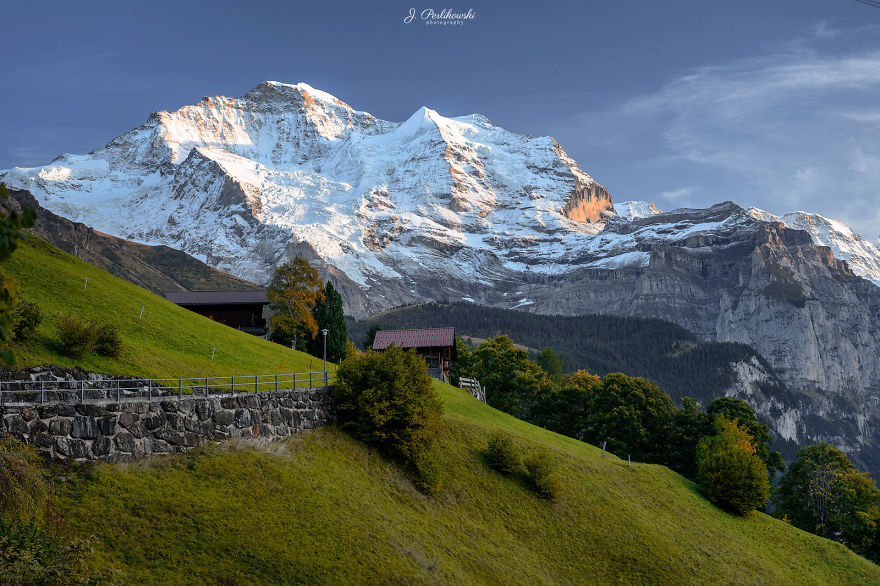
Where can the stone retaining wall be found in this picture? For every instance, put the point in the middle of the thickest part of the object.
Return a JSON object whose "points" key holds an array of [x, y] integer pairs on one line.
{"points": [[127, 431]]}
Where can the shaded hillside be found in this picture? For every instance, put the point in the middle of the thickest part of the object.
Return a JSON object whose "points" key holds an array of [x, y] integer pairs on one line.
{"points": [[323, 509], [652, 348], [156, 268]]}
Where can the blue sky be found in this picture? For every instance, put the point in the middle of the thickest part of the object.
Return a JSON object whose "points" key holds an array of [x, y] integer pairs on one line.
{"points": [[685, 103]]}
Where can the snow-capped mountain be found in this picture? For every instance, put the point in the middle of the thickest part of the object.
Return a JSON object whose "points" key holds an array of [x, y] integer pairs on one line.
{"points": [[244, 183], [863, 256], [632, 210]]}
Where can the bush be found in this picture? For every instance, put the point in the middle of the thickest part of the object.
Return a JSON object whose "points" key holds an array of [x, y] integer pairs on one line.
{"points": [[428, 474], [29, 554], [732, 474], [76, 338], [107, 340], [386, 399], [31, 551], [26, 317], [540, 475], [503, 455], [24, 488]]}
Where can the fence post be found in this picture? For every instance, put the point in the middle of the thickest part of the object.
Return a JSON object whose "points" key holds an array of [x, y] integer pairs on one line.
{"points": [[42, 391], [233, 385], [179, 389], [82, 391], [325, 378], [149, 390], [311, 376], [1, 396], [276, 383], [294, 381], [117, 390], [206, 388], [256, 383]]}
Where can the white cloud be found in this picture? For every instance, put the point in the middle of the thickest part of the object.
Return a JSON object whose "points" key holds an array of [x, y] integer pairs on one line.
{"points": [[675, 195], [795, 129]]}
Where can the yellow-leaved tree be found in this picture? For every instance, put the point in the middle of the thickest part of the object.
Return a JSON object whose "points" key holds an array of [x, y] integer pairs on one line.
{"points": [[294, 291]]}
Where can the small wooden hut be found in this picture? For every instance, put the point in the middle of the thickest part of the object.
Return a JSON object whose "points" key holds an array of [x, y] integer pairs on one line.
{"points": [[436, 345]]}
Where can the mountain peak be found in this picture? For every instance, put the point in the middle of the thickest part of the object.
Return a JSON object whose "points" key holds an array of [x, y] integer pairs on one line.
{"points": [[272, 91], [632, 210], [863, 256]]}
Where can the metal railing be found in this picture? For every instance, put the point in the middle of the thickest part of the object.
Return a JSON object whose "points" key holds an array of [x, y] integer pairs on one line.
{"points": [[30, 392]]}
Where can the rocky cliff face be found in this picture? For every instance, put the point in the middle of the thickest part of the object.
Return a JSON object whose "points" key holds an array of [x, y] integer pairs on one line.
{"points": [[762, 284]]}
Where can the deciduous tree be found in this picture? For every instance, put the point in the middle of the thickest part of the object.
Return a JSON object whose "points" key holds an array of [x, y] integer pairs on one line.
{"points": [[824, 493], [632, 414], [689, 424], [738, 410], [732, 474], [293, 293], [512, 382], [550, 363]]}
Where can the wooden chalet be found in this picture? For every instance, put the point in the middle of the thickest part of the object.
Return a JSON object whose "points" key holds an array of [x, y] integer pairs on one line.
{"points": [[238, 309], [435, 345]]}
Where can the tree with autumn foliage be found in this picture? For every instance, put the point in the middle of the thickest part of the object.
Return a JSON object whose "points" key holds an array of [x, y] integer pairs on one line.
{"points": [[731, 472], [293, 293], [734, 409]]}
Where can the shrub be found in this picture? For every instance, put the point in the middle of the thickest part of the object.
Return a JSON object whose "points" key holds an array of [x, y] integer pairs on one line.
{"points": [[76, 338], [24, 489], [732, 474], [386, 399], [107, 340], [540, 475], [29, 554], [26, 317], [503, 455], [428, 474]]}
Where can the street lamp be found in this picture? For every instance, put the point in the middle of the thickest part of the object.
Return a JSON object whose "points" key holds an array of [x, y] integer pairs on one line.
{"points": [[324, 331]]}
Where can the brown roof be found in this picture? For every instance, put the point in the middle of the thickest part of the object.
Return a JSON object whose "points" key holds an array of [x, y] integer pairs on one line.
{"points": [[216, 297], [427, 338]]}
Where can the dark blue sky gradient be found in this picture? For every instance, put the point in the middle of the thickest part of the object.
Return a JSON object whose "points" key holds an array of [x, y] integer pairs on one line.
{"points": [[76, 74]]}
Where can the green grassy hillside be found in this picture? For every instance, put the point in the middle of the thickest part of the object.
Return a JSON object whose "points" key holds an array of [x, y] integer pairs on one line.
{"points": [[166, 341], [322, 508]]}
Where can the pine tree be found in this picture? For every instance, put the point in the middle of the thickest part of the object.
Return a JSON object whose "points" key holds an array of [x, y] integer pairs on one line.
{"points": [[329, 315]]}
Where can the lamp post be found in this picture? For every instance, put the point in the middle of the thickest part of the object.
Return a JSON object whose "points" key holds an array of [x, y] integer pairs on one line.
{"points": [[324, 331]]}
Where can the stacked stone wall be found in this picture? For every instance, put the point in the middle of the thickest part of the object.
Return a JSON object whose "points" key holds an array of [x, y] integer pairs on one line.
{"points": [[129, 430]]}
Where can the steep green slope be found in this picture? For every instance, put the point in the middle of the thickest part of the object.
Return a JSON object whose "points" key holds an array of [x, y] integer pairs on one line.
{"points": [[322, 508], [164, 341]]}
